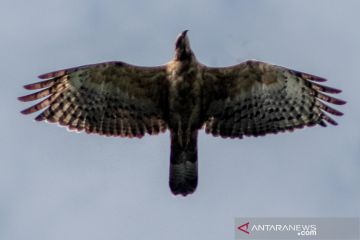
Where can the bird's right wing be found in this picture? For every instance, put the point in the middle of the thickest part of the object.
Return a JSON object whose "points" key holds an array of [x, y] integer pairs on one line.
{"points": [[111, 98]]}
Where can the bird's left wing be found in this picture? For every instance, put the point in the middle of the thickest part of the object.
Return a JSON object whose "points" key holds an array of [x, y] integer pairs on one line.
{"points": [[256, 98], [111, 98]]}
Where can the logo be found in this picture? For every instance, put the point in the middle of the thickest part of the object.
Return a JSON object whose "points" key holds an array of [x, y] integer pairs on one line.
{"points": [[244, 228], [297, 228]]}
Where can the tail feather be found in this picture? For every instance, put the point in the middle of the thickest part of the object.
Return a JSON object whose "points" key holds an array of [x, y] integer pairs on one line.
{"points": [[183, 166]]}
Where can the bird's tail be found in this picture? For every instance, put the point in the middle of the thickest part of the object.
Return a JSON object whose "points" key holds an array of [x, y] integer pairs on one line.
{"points": [[183, 164]]}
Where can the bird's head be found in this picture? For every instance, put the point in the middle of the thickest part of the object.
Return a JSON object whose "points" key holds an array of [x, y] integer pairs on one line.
{"points": [[182, 47]]}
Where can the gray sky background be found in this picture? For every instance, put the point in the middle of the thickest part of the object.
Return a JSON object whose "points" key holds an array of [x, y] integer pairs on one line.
{"points": [[60, 185]]}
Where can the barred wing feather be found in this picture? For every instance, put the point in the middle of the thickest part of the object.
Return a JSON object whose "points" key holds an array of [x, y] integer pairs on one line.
{"points": [[112, 98], [256, 98]]}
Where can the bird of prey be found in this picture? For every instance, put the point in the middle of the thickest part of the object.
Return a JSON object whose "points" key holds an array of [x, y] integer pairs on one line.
{"points": [[183, 96]]}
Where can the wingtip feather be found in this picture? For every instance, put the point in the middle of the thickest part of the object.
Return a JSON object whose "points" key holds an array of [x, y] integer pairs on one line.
{"points": [[314, 78], [52, 74], [330, 120], [27, 111], [22, 98], [322, 88], [38, 85], [31, 86]]}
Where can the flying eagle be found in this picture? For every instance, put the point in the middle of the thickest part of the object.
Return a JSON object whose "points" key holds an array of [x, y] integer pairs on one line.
{"points": [[252, 98]]}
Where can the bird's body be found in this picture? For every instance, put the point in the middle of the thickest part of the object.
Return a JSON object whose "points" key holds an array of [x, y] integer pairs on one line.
{"points": [[185, 108], [117, 99]]}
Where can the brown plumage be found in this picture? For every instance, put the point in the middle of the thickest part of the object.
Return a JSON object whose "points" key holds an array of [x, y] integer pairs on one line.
{"points": [[118, 99]]}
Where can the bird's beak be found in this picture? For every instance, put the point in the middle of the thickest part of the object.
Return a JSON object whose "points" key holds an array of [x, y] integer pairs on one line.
{"points": [[184, 33]]}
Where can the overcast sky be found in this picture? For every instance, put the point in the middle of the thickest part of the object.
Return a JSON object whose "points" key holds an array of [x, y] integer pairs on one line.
{"points": [[60, 185]]}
